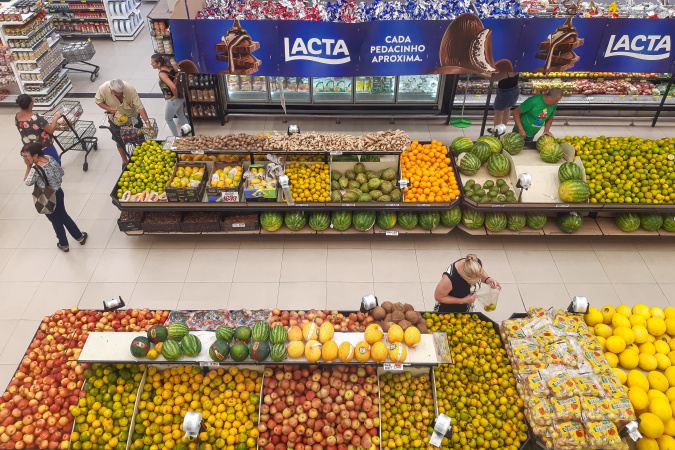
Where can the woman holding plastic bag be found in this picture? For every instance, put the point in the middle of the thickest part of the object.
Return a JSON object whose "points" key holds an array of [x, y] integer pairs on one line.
{"points": [[459, 284]]}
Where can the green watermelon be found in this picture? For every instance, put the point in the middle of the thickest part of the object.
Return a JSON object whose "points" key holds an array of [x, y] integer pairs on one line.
{"points": [[319, 221], [224, 333], [191, 345], [461, 145], [140, 347], [469, 164], [242, 334], [386, 219], [364, 220], [278, 334], [171, 350], [551, 153], [259, 351], [515, 221], [494, 143], [451, 217], [570, 222], [498, 165], [219, 350], [239, 351], [295, 220], [543, 140], [482, 150], [628, 221], [513, 143], [495, 221], [574, 191], [407, 219], [668, 223], [342, 220], [536, 221], [569, 171], [178, 331], [278, 352], [472, 218], [271, 221], [429, 220], [157, 333], [651, 221], [260, 331]]}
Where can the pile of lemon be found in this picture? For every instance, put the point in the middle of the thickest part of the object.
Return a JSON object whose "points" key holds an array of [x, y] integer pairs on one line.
{"points": [[639, 344]]}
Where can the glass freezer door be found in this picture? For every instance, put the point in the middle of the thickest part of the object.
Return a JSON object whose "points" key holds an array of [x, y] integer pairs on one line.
{"points": [[332, 90], [242, 88], [418, 88], [296, 89], [375, 89]]}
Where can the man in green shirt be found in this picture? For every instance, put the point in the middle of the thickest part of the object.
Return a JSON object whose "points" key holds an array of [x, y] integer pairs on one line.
{"points": [[535, 112]]}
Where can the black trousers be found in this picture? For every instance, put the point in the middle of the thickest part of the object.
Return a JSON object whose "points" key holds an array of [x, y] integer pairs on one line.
{"points": [[61, 221]]}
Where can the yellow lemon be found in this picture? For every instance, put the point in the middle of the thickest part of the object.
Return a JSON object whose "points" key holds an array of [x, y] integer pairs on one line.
{"points": [[646, 443], [620, 374], [625, 333], [637, 320], [661, 408], [615, 344], [671, 357], [669, 426], [666, 442], [601, 340], [603, 330], [658, 381], [612, 359], [647, 348], [650, 426], [633, 347], [620, 320], [607, 314], [593, 317], [670, 393], [647, 362], [655, 311], [653, 394], [623, 309], [641, 333], [670, 375], [671, 344], [642, 310], [670, 325], [629, 359], [662, 361], [669, 312], [656, 326], [665, 338], [650, 338], [638, 397], [635, 378]]}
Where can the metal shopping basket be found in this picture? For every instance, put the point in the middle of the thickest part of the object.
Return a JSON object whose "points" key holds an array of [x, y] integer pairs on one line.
{"points": [[133, 134], [78, 53], [74, 134]]}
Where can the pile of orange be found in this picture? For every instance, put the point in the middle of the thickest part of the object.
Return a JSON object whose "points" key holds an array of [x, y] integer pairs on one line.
{"points": [[427, 167]]}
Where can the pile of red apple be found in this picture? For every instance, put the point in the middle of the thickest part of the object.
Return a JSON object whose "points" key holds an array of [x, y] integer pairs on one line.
{"points": [[304, 407], [35, 408], [357, 321]]}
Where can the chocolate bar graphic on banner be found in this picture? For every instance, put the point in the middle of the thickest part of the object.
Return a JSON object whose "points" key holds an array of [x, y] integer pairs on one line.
{"points": [[235, 49], [557, 52]]}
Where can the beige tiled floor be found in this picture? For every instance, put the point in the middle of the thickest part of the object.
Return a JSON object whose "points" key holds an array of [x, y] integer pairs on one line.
{"points": [[275, 271]]}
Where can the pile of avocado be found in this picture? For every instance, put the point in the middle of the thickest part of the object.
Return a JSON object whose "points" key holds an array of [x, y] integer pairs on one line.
{"points": [[490, 192]]}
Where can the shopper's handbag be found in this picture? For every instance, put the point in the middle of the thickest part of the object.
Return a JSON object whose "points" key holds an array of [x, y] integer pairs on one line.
{"points": [[45, 199]]}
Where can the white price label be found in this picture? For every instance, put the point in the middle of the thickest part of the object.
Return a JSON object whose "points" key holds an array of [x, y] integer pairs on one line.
{"points": [[391, 233], [392, 204], [493, 205], [349, 204], [336, 153], [562, 205], [301, 204], [238, 225], [209, 364], [229, 197], [393, 366], [423, 204], [197, 152]]}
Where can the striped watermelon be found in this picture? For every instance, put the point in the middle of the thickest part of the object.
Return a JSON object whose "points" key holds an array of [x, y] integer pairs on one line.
{"points": [[628, 222], [482, 150], [515, 221], [495, 221], [259, 351], [461, 145], [469, 164], [219, 350], [452, 217], [429, 220], [570, 222], [177, 331], [569, 171], [513, 143], [668, 223], [224, 333], [171, 350], [494, 143], [157, 333], [319, 221], [574, 191], [239, 351], [386, 219], [191, 345], [278, 335], [278, 352], [342, 220], [407, 219], [472, 218], [295, 220], [536, 221], [651, 221], [498, 165], [364, 220], [271, 221], [551, 153], [543, 140], [140, 347], [260, 331]]}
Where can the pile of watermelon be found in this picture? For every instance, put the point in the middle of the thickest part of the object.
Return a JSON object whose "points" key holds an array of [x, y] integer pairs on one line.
{"points": [[490, 192], [648, 221], [487, 150], [499, 221]]}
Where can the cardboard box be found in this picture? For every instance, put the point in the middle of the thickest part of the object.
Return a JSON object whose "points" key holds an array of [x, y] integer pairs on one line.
{"points": [[230, 194], [252, 194], [609, 228], [188, 193]]}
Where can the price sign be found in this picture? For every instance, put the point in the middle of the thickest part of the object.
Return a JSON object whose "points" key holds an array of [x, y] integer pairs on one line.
{"points": [[229, 197], [336, 153], [423, 204], [601, 79], [391, 233], [393, 204], [301, 204], [197, 152], [622, 96], [349, 204], [643, 81], [627, 79], [209, 364], [497, 205], [562, 205], [392, 366], [238, 225]]}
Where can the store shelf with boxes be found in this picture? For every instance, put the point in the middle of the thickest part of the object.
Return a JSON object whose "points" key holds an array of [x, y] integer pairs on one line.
{"points": [[118, 19]]}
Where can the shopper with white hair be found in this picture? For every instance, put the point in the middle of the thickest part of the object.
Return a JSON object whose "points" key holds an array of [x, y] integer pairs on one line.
{"points": [[119, 96]]}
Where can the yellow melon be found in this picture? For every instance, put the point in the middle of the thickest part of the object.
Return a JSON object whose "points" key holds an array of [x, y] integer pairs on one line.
{"points": [[362, 352], [312, 350], [373, 333], [329, 351], [296, 349], [379, 352], [346, 352], [326, 331], [295, 333], [395, 333], [397, 352], [412, 336], [310, 331]]}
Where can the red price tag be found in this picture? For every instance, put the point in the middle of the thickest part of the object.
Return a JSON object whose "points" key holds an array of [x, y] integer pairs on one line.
{"points": [[391, 233], [230, 197]]}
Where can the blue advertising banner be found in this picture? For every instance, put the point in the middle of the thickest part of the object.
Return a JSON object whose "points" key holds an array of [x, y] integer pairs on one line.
{"points": [[463, 45]]}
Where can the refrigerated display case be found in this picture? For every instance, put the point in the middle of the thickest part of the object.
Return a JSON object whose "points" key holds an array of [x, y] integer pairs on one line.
{"points": [[245, 88], [375, 89], [296, 89], [418, 89], [332, 89]]}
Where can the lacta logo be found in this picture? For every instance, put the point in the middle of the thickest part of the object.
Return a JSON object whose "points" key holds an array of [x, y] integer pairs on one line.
{"points": [[658, 45], [324, 51]]}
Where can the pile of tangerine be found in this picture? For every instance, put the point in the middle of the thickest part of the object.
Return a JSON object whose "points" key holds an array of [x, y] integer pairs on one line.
{"points": [[428, 169]]}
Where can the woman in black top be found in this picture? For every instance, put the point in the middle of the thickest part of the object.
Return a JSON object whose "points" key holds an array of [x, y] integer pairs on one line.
{"points": [[506, 98], [459, 284], [168, 84]]}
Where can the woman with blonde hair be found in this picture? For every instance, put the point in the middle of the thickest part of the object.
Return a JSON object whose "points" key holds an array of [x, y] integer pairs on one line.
{"points": [[459, 284]]}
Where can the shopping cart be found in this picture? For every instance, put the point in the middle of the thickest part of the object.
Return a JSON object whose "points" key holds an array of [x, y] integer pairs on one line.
{"points": [[73, 133], [78, 53], [132, 134]]}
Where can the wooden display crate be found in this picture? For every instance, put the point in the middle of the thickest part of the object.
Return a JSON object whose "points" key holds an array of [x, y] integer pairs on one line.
{"points": [[188, 193], [131, 225], [231, 194], [172, 227], [239, 226]]}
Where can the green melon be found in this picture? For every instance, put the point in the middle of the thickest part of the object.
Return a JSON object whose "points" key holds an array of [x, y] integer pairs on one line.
{"points": [[495, 222], [239, 351], [386, 219], [319, 221], [482, 150], [494, 143], [472, 218], [191, 345], [242, 334], [628, 222], [513, 143], [259, 351], [574, 191], [407, 219], [342, 220], [569, 171], [429, 220], [178, 331], [295, 220], [140, 347], [271, 221], [461, 145], [219, 350], [516, 221], [260, 331], [278, 334], [363, 220], [570, 222], [551, 153], [668, 223], [543, 140], [498, 165], [171, 350], [469, 164], [451, 217], [158, 333], [536, 221], [651, 221], [224, 333], [278, 352]]}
